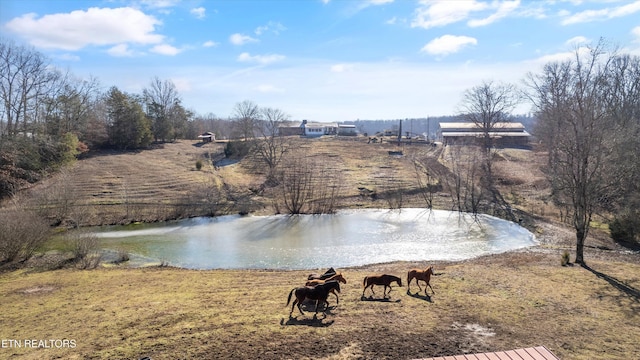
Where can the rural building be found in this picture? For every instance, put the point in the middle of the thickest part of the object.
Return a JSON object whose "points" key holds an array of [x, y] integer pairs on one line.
{"points": [[347, 130], [309, 129], [207, 137], [504, 134], [291, 128]]}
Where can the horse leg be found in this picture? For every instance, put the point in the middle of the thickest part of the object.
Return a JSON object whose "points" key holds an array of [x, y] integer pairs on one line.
{"points": [[425, 289], [292, 305], [337, 298], [299, 304]]}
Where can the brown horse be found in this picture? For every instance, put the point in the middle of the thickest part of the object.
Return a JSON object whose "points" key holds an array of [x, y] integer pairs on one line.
{"points": [[418, 274], [337, 277], [319, 293], [327, 274], [384, 280]]}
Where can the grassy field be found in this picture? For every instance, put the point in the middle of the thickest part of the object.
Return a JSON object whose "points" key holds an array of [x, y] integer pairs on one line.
{"points": [[499, 302]]}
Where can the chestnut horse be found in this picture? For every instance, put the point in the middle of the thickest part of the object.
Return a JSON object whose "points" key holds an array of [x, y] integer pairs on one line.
{"points": [[337, 277], [319, 293], [384, 280], [418, 274]]}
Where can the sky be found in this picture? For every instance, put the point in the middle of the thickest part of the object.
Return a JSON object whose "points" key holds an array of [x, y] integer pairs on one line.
{"points": [[321, 60]]}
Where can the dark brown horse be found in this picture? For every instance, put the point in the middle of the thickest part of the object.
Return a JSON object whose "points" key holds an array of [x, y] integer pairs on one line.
{"points": [[319, 293], [384, 280], [337, 277], [418, 274], [327, 274]]}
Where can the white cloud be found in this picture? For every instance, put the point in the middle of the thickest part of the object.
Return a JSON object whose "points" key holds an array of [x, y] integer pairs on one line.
{"points": [[391, 21], [560, 56], [160, 4], [380, 2], [504, 9], [265, 88], [342, 67], [448, 44], [121, 50], [326, 1], [199, 12], [68, 57], [260, 59], [636, 32], [272, 26], [164, 49], [602, 14], [440, 13], [240, 39], [210, 43], [80, 28], [577, 40], [182, 84]]}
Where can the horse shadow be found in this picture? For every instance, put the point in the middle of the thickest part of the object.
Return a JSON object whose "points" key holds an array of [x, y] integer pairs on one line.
{"points": [[384, 299], [314, 322], [419, 296]]}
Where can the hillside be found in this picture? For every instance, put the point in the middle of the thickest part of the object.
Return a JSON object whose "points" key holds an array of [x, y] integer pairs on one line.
{"points": [[162, 183]]}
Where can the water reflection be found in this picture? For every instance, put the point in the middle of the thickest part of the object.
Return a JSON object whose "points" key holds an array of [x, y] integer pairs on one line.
{"points": [[349, 238]]}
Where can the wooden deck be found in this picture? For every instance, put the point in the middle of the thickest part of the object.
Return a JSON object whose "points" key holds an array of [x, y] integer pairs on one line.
{"points": [[532, 353]]}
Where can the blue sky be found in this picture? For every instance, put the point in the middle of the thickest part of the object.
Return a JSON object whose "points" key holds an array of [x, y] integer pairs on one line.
{"points": [[322, 60]]}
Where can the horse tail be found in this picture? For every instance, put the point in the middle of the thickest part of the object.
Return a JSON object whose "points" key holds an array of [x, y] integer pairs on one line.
{"points": [[364, 282], [289, 298]]}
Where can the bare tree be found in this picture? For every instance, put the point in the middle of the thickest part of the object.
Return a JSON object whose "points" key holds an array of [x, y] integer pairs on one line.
{"points": [[245, 115], [68, 110], [296, 184], [272, 145], [161, 99], [487, 106], [576, 128], [25, 79], [464, 182]]}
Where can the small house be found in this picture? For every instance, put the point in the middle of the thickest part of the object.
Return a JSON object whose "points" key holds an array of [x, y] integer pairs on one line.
{"points": [[207, 137]]}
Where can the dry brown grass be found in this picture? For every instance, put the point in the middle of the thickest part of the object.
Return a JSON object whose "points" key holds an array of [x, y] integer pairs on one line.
{"points": [[494, 303]]}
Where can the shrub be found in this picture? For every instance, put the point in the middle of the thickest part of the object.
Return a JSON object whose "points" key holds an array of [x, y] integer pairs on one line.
{"points": [[21, 234], [238, 149], [199, 164], [85, 248], [564, 261], [122, 256], [625, 228]]}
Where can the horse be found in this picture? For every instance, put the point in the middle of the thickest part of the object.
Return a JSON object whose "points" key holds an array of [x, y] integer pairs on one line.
{"points": [[418, 274], [319, 293], [337, 277], [384, 280], [327, 274]]}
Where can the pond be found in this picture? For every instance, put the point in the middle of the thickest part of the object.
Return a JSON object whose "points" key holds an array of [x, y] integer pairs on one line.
{"points": [[347, 238]]}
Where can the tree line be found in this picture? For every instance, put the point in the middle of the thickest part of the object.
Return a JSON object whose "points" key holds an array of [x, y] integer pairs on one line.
{"points": [[48, 117]]}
